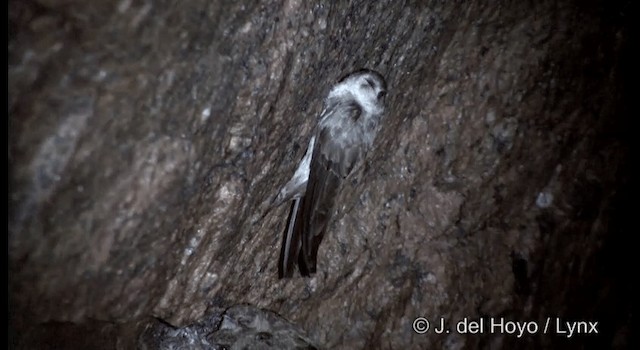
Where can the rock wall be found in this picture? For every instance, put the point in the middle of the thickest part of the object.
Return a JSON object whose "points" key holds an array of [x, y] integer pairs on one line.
{"points": [[147, 139]]}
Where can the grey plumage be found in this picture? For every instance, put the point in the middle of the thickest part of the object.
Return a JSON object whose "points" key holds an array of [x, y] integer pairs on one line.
{"points": [[345, 132]]}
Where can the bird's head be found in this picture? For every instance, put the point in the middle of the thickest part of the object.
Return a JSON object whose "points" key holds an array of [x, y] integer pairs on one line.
{"points": [[367, 86]]}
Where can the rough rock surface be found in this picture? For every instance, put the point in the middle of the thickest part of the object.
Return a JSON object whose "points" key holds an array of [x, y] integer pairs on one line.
{"points": [[148, 137]]}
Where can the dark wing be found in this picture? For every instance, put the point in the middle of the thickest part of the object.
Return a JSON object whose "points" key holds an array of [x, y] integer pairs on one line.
{"points": [[334, 156]]}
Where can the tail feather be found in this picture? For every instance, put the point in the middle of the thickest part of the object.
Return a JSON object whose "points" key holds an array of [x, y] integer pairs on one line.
{"points": [[291, 242]]}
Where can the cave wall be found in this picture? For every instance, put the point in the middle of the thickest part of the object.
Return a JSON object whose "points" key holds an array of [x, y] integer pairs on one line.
{"points": [[147, 139]]}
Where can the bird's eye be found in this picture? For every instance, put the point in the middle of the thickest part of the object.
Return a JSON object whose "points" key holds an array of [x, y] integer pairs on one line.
{"points": [[382, 94]]}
